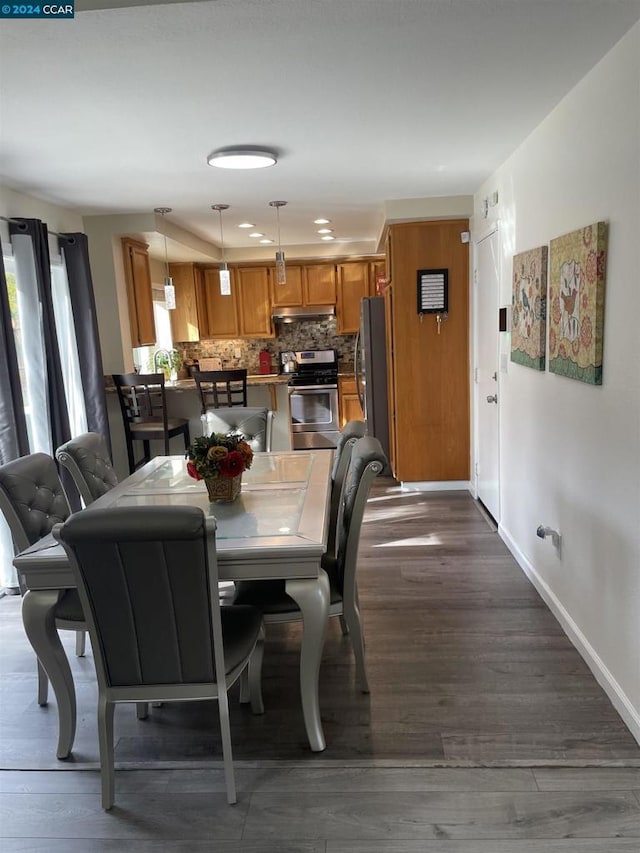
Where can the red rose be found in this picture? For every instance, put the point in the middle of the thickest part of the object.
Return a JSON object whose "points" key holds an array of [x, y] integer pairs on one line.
{"points": [[192, 471], [232, 464]]}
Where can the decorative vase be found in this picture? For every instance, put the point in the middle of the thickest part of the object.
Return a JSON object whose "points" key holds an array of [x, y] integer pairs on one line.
{"points": [[223, 489]]}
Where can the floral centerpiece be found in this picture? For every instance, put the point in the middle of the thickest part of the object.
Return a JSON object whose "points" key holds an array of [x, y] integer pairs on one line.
{"points": [[219, 460]]}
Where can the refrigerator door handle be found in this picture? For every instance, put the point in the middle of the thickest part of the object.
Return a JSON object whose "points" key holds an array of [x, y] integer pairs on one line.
{"points": [[357, 371]]}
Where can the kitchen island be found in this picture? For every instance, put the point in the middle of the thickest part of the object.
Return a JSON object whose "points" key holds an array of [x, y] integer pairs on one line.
{"points": [[183, 401]]}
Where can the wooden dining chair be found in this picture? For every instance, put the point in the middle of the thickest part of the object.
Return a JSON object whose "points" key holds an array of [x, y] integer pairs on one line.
{"points": [[367, 462], [148, 581], [86, 458], [32, 500], [143, 403], [221, 388]]}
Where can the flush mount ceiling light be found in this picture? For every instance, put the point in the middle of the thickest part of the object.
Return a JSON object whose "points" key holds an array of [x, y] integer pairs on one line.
{"points": [[242, 157], [281, 273], [225, 278], [169, 289]]}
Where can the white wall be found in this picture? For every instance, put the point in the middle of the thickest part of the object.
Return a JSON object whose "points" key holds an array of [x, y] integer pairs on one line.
{"points": [[570, 452], [57, 218]]}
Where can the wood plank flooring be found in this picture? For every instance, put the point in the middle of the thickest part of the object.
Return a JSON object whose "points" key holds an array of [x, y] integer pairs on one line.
{"points": [[484, 732]]}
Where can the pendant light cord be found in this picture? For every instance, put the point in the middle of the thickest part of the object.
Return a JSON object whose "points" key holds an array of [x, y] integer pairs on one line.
{"points": [[221, 236]]}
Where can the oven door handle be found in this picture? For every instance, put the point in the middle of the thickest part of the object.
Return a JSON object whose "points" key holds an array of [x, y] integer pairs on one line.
{"points": [[294, 389]]}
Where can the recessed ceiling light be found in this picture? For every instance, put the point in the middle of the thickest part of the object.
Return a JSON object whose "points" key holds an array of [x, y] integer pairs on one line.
{"points": [[241, 157], [327, 238], [321, 221], [266, 241], [325, 230], [256, 234], [246, 225]]}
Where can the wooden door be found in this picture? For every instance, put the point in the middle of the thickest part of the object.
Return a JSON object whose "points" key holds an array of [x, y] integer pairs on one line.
{"points": [[254, 302], [352, 287], [287, 295], [319, 284], [185, 324], [139, 292], [222, 314], [432, 371], [391, 372]]}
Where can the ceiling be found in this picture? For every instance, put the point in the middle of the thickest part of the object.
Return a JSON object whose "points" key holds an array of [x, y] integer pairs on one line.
{"points": [[365, 101]]}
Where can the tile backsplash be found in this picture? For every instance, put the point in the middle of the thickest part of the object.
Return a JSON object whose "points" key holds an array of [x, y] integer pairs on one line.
{"points": [[301, 335]]}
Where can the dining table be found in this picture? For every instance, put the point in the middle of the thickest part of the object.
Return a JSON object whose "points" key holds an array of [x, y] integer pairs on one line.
{"points": [[276, 529]]}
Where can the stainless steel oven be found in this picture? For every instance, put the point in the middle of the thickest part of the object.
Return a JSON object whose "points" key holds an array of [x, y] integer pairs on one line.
{"points": [[313, 397], [314, 416]]}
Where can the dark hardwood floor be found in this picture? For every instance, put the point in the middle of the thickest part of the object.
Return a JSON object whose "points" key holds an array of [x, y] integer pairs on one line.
{"points": [[484, 731]]}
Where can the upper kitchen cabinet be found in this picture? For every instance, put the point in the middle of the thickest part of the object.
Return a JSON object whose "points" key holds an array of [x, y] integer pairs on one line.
{"points": [[220, 313], [356, 280], [288, 295], [185, 322], [427, 361], [139, 295], [319, 284], [254, 302]]}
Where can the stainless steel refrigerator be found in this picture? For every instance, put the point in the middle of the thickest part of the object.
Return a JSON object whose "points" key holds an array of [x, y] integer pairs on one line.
{"points": [[371, 369]]}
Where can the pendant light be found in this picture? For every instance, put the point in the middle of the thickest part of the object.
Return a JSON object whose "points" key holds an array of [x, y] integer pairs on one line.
{"points": [[281, 272], [169, 289], [225, 278]]}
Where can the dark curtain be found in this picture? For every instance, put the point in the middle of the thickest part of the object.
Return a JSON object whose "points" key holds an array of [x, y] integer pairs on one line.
{"points": [[14, 440], [76, 257], [58, 416]]}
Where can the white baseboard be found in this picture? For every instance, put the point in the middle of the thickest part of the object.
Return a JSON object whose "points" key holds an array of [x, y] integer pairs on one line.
{"points": [[603, 676], [436, 486]]}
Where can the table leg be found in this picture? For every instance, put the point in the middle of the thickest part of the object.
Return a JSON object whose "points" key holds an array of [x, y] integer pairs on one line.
{"points": [[312, 597], [38, 607]]}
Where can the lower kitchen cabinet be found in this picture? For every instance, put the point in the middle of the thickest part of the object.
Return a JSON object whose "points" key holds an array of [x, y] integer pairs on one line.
{"points": [[348, 402]]}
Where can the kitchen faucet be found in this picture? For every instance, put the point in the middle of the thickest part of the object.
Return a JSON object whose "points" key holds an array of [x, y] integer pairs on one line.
{"points": [[165, 354]]}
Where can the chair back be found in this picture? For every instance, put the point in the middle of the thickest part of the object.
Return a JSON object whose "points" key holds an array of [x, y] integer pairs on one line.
{"points": [[351, 432], [255, 424], [367, 462], [148, 582], [221, 388], [87, 460], [142, 399], [32, 498]]}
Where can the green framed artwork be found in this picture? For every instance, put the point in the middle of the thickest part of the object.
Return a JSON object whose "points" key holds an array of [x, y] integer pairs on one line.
{"points": [[576, 303], [529, 308]]}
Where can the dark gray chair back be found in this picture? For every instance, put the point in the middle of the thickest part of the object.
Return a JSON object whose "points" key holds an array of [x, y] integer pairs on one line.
{"points": [[350, 433], [254, 423], [221, 388], [87, 460], [32, 498]]}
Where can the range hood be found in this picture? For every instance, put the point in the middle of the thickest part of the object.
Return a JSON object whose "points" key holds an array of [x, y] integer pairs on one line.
{"points": [[307, 312]]}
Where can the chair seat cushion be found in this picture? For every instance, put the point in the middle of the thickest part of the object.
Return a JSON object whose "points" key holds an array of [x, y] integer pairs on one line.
{"points": [[69, 607], [154, 429], [271, 596], [240, 629]]}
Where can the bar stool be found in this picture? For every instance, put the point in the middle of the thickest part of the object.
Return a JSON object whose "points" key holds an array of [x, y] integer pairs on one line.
{"points": [[143, 404], [221, 388]]}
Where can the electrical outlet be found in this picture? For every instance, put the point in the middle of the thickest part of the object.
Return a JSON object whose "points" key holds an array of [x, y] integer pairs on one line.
{"points": [[237, 353]]}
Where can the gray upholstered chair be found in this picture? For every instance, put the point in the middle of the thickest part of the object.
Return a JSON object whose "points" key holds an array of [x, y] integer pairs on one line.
{"points": [[367, 461], [255, 424], [350, 433], [148, 580], [32, 500], [143, 404], [87, 459]]}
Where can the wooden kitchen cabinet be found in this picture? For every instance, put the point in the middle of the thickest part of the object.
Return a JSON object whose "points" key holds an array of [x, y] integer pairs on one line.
{"points": [[254, 302], [353, 285], [185, 322], [319, 284], [220, 313], [348, 403], [288, 295], [139, 294], [428, 368]]}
